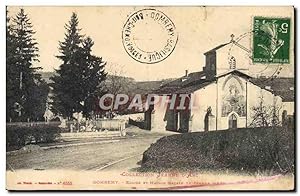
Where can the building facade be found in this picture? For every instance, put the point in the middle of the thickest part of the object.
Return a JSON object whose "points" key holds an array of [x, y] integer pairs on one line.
{"points": [[224, 96]]}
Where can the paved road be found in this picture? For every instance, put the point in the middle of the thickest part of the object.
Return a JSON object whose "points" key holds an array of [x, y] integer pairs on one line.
{"points": [[123, 154]]}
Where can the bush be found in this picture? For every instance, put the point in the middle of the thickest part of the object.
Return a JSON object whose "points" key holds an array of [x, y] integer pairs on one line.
{"points": [[18, 136], [248, 149]]}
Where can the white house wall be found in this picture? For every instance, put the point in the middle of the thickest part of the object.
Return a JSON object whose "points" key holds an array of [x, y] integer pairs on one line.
{"points": [[289, 107], [212, 96], [158, 123], [215, 96], [202, 99], [223, 55]]}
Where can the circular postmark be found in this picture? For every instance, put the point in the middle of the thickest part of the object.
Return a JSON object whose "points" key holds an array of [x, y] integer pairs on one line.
{"points": [[149, 36]]}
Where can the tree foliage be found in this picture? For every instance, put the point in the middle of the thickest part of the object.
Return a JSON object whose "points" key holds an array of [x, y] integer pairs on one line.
{"points": [[78, 80], [26, 92], [265, 115]]}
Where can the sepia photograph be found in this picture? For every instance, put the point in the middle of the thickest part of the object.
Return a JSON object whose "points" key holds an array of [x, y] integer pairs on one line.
{"points": [[150, 98]]}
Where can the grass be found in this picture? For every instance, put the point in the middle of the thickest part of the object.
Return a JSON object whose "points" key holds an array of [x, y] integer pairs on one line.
{"points": [[248, 150]]}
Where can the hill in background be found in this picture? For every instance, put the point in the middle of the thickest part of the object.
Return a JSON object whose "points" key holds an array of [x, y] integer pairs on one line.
{"points": [[136, 87]]}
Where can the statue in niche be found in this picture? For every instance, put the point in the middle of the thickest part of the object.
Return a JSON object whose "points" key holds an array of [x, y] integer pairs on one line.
{"points": [[233, 99], [206, 118]]}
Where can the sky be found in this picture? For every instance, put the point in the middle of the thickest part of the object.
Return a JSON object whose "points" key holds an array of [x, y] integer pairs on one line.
{"points": [[199, 29]]}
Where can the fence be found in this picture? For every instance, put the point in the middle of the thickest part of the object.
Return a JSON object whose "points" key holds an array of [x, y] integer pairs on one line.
{"points": [[101, 125], [110, 124], [30, 124], [102, 134]]}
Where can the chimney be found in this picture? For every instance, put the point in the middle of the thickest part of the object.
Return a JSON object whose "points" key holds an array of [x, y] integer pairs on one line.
{"points": [[186, 72], [185, 77]]}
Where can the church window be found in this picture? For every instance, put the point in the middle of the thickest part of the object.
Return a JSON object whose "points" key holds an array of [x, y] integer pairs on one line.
{"points": [[232, 63]]}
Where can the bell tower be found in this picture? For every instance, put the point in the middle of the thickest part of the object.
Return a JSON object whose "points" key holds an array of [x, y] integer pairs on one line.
{"points": [[210, 64], [232, 55]]}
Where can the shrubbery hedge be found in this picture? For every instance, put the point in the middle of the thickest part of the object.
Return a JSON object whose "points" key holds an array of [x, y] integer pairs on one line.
{"points": [[248, 149], [18, 135]]}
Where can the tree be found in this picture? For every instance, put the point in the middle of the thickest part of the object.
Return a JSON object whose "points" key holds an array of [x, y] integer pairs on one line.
{"points": [[23, 81], [38, 101], [11, 71], [92, 77], [116, 81], [265, 115], [77, 80]]}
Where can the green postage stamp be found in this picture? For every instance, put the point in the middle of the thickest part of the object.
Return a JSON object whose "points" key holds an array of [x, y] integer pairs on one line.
{"points": [[271, 40]]}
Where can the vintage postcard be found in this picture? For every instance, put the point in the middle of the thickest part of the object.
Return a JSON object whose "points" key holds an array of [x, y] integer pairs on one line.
{"points": [[150, 98]]}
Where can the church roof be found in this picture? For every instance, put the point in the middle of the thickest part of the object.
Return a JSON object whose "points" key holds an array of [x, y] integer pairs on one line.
{"points": [[217, 47], [225, 44], [236, 72], [283, 87], [176, 85], [193, 88], [193, 82]]}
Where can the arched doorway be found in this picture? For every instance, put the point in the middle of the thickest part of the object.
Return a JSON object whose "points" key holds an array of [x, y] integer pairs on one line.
{"points": [[232, 121]]}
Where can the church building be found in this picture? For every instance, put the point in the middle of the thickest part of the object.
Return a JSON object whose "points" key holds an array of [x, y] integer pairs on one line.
{"points": [[224, 96]]}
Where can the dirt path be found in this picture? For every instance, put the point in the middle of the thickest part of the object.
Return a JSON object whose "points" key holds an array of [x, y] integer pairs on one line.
{"points": [[92, 156]]}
